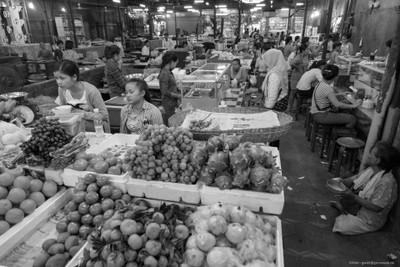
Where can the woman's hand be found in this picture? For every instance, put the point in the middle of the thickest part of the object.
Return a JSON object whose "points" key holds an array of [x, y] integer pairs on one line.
{"points": [[348, 193], [357, 103], [85, 107]]}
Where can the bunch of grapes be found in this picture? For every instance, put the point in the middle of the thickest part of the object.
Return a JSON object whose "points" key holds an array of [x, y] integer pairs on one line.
{"points": [[163, 153], [47, 136], [199, 124]]}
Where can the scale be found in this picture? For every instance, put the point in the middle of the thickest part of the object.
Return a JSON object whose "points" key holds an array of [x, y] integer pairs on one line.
{"points": [[11, 81]]}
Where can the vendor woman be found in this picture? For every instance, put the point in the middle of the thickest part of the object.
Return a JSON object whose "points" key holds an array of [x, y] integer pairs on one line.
{"points": [[82, 96], [139, 110], [237, 71], [115, 79]]}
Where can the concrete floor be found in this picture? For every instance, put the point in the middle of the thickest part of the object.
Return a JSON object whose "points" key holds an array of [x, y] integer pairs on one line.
{"points": [[307, 238]]}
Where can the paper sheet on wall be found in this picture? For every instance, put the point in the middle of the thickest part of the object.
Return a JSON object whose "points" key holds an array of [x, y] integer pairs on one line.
{"points": [[233, 121]]}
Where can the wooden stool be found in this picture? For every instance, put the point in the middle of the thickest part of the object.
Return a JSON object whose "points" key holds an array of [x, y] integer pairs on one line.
{"points": [[315, 127], [308, 125], [337, 132], [349, 146], [302, 104]]}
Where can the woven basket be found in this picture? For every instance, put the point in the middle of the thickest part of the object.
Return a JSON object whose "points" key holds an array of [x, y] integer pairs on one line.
{"points": [[261, 135]]}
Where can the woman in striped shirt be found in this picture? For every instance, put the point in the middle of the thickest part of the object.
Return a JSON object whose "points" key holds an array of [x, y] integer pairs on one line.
{"points": [[325, 103]]}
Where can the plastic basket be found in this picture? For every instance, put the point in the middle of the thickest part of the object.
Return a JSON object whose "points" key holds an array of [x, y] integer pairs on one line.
{"points": [[261, 135], [73, 123]]}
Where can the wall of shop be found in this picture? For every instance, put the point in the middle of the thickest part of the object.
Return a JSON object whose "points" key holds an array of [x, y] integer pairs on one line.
{"points": [[375, 27], [98, 21], [187, 22]]}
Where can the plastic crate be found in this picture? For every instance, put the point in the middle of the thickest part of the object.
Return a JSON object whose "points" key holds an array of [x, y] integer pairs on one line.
{"points": [[73, 123]]}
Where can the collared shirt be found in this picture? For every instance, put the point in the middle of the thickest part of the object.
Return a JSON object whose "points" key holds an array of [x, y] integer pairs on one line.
{"points": [[134, 123], [115, 79]]}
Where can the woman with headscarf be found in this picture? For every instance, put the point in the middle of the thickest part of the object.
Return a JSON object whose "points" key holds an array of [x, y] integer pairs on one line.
{"points": [[275, 85]]}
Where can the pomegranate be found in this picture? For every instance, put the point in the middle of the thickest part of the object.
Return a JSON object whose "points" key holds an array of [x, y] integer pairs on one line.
{"points": [[231, 141], [205, 241], [218, 162], [214, 144], [238, 215], [235, 233], [220, 209], [194, 257], [217, 225], [222, 241]]}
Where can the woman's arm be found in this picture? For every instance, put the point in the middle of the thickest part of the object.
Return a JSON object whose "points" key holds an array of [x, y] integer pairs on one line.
{"points": [[271, 92], [123, 119], [336, 103], [364, 202], [96, 101], [351, 49]]}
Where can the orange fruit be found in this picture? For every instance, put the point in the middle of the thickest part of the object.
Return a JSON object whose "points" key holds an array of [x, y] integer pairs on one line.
{"points": [[101, 167], [16, 195], [4, 226], [36, 185], [80, 165], [14, 216], [28, 206], [49, 188], [38, 197], [82, 155], [112, 161], [6, 179], [116, 170], [3, 192], [22, 182], [5, 205]]}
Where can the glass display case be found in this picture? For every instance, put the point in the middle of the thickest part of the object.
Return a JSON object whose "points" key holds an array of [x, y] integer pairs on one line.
{"points": [[202, 88], [369, 76], [348, 65]]}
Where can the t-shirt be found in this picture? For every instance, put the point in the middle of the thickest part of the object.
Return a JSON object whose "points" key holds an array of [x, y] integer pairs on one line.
{"points": [[145, 51], [308, 78], [71, 100], [320, 98]]}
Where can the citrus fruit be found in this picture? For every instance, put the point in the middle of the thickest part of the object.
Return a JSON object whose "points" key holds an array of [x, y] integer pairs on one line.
{"points": [[80, 165], [22, 182], [49, 188], [3, 192], [135, 241], [28, 206], [16, 195], [5, 205], [6, 179], [4, 226], [14, 216], [36, 185], [38, 197], [101, 167]]}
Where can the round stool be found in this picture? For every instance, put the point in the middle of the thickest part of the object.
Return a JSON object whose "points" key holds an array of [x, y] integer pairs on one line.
{"points": [[337, 132], [302, 104], [348, 148]]}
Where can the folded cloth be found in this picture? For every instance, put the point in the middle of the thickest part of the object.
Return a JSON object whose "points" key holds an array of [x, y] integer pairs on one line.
{"points": [[363, 179], [366, 193]]}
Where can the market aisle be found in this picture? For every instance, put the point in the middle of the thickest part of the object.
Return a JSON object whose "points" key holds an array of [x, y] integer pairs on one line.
{"points": [[307, 238]]}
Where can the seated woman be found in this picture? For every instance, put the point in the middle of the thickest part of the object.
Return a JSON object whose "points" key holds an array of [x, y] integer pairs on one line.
{"points": [[115, 79], [44, 54], [139, 110], [69, 53], [324, 102], [275, 85], [372, 193], [305, 86], [82, 96], [237, 71], [260, 67]]}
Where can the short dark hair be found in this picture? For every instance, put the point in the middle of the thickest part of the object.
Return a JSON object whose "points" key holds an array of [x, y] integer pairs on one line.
{"points": [[168, 58], [288, 39], [67, 67], [59, 42], [305, 40], [266, 47], [237, 60], [389, 43], [316, 64], [143, 86], [69, 45], [111, 50], [388, 156], [347, 36], [330, 72], [336, 44], [301, 48], [296, 38]]}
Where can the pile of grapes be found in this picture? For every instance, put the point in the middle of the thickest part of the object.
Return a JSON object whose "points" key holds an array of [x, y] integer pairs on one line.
{"points": [[47, 136], [163, 153]]}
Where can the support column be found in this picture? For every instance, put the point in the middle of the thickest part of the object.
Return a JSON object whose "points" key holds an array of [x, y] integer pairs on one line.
{"points": [[305, 19], [327, 29], [73, 22], [215, 20]]}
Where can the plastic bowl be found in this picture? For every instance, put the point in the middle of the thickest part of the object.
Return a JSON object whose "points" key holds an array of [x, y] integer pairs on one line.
{"points": [[62, 110]]}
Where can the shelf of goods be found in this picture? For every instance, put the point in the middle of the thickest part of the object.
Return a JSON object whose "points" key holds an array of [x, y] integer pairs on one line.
{"points": [[202, 91], [348, 65], [369, 76]]}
